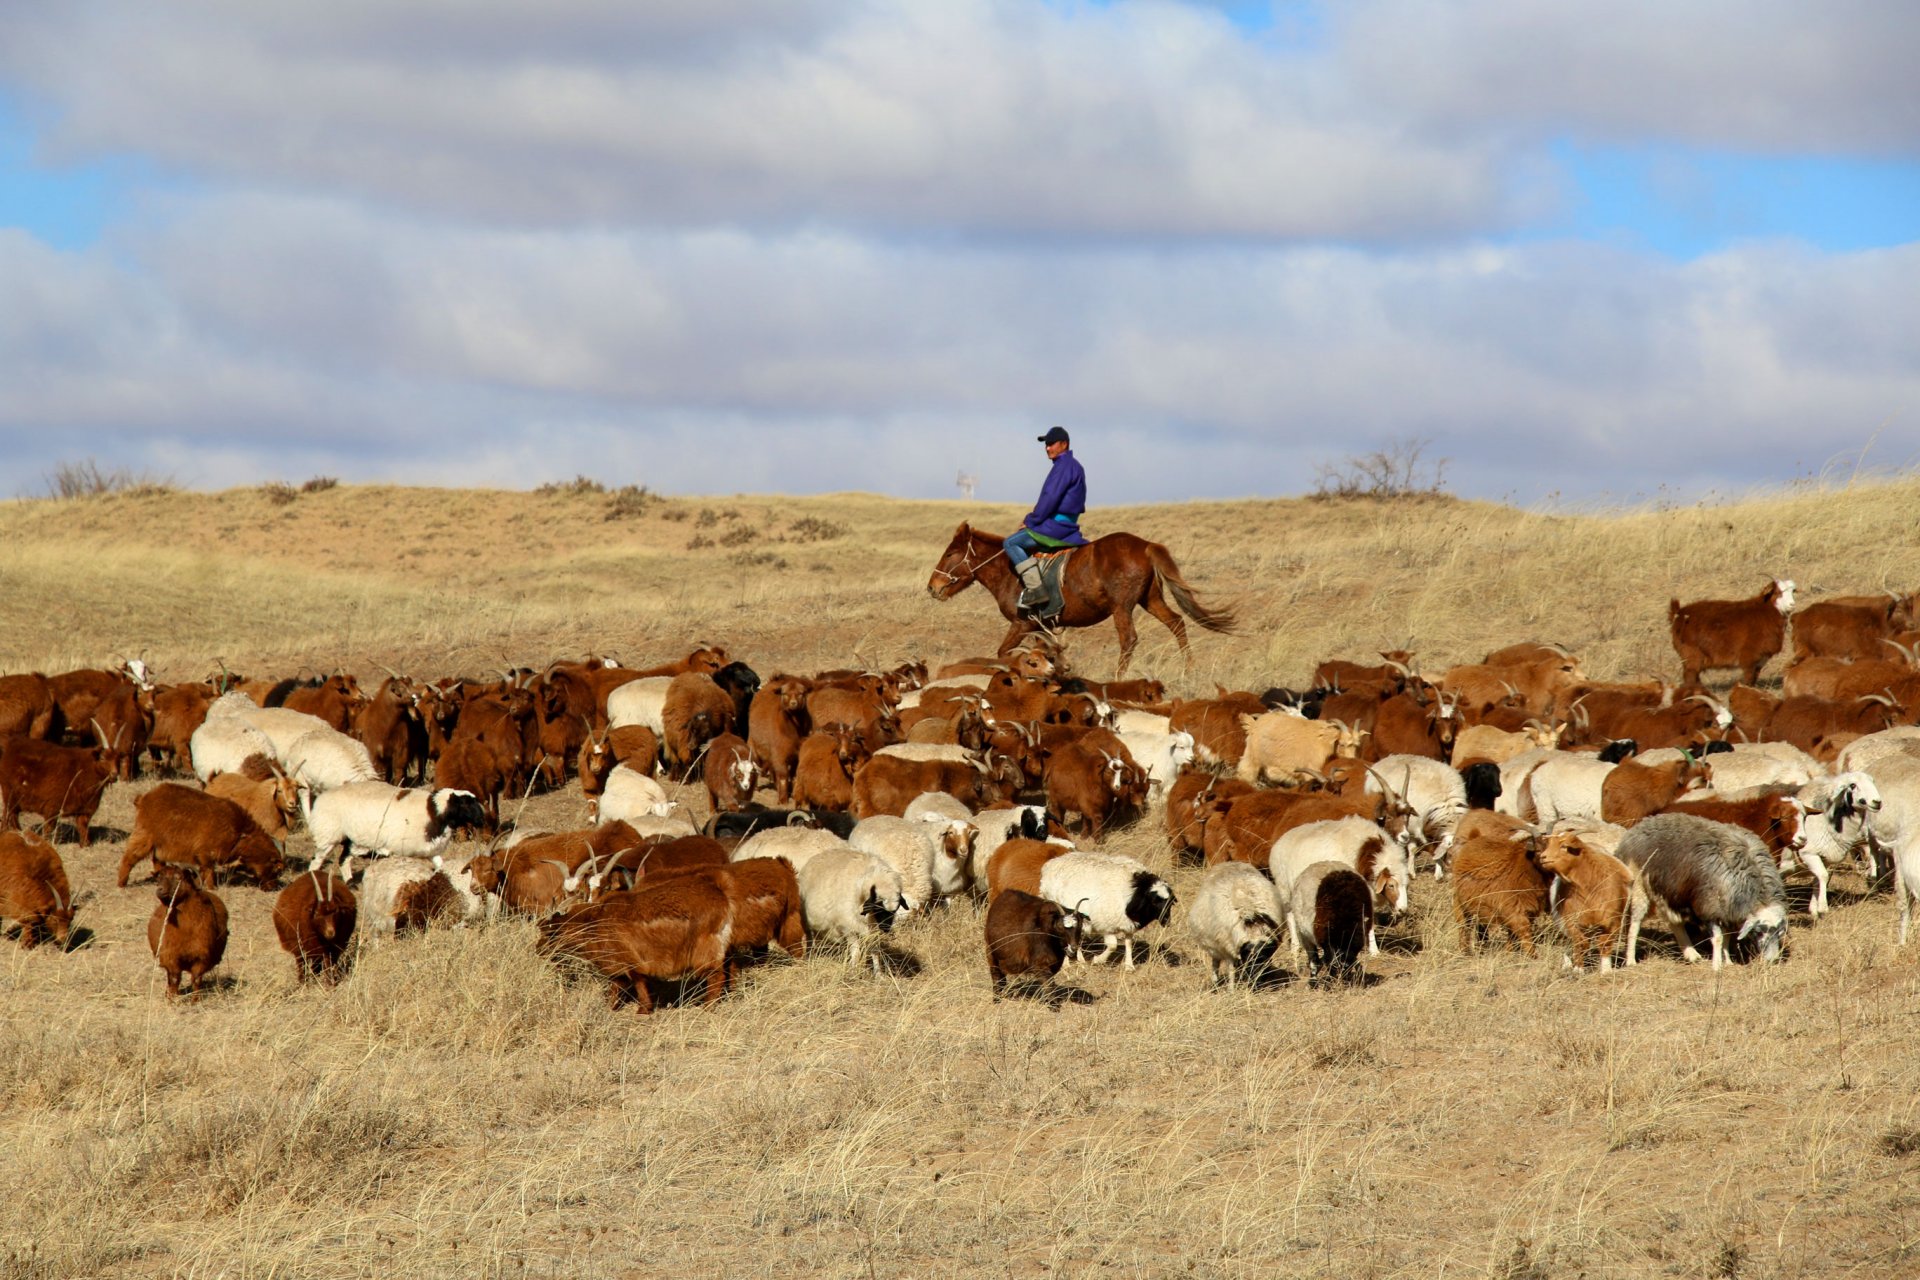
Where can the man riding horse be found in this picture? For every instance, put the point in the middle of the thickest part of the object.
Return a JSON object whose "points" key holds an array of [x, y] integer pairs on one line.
{"points": [[1054, 522]]}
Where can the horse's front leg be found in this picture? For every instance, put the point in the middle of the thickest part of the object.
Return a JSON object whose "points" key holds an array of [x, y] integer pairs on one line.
{"points": [[1015, 633]]}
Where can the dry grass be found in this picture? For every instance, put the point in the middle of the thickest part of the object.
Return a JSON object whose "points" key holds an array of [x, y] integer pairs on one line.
{"points": [[455, 1109]]}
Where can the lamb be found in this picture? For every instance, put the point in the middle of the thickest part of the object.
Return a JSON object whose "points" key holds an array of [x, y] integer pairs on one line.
{"points": [[325, 758], [34, 892], [1027, 941], [313, 918], [933, 860], [176, 824], [630, 794], [1235, 918], [1117, 895], [1356, 843], [187, 932], [1706, 872], [846, 895], [1594, 888], [798, 845], [1330, 918], [378, 818]]}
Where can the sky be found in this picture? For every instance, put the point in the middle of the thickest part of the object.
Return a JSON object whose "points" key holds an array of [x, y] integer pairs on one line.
{"points": [[1666, 249]]}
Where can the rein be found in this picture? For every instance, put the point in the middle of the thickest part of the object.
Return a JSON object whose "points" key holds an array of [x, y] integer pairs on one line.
{"points": [[970, 566]]}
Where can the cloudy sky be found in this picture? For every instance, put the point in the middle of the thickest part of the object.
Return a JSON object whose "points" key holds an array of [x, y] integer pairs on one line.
{"points": [[809, 245]]}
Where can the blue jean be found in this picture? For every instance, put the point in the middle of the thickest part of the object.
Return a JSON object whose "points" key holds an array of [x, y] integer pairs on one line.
{"points": [[1020, 546]]}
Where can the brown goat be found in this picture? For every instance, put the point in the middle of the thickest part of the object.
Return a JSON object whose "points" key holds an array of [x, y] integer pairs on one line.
{"points": [[54, 782], [1710, 634], [1633, 790], [394, 731], [729, 774], [1097, 785], [1593, 898], [1016, 864], [888, 784], [657, 855], [1497, 881], [178, 710], [1185, 799], [271, 802], [314, 918], [673, 931], [418, 904], [696, 711], [1218, 734], [178, 825], [34, 892], [187, 932], [829, 760], [336, 699], [27, 707], [1850, 628], [1027, 941], [777, 723]]}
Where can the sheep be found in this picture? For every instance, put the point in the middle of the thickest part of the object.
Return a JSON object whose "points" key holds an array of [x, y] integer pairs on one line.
{"points": [[1593, 891], [224, 741], [1017, 864], [34, 892], [325, 758], [1564, 785], [1235, 919], [389, 887], [1497, 881], [1901, 740], [1752, 769], [1709, 634], [1028, 939], [1117, 895], [846, 895], [187, 932], [798, 845], [630, 794], [993, 828], [1330, 918], [176, 824], [933, 860], [281, 725], [313, 918], [378, 818], [1705, 872], [1897, 827], [640, 702], [938, 804], [1364, 846]]}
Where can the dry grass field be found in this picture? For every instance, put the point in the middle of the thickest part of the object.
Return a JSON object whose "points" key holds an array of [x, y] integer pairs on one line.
{"points": [[455, 1109]]}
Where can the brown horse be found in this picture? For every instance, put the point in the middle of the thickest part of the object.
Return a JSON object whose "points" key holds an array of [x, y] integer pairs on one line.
{"points": [[1109, 577]]}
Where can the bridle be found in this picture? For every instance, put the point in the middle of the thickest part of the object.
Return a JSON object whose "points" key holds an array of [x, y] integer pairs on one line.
{"points": [[969, 566]]}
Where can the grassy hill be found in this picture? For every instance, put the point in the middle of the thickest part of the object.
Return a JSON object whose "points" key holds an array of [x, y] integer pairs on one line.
{"points": [[454, 1109]]}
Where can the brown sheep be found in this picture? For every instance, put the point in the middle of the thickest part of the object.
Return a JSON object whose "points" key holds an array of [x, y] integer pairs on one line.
{"points": [[34, 892], [54, 782], [777, 723], [1017, 863], [729, 774], [178, 825], [187, 932], [696, 711], [1497, 881], [1027, 941], [314, 918], [1593, 897]]}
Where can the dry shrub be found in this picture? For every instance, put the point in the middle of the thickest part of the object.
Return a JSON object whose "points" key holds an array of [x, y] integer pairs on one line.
{"points": [[86, 478], [319, 484], [280, 493]]}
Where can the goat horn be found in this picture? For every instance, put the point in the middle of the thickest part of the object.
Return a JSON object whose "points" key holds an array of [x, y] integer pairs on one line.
{"points": [[1881, 698]]}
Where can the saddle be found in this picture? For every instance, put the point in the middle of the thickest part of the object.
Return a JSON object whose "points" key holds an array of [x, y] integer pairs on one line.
{"points": [[1051, 564]]}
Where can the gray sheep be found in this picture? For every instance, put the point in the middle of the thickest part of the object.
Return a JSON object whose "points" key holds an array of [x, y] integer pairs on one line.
{"points": [[1704, 872]]}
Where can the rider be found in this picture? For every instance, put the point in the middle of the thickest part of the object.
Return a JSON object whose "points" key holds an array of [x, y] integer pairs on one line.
{"points": [[1054, 521]]}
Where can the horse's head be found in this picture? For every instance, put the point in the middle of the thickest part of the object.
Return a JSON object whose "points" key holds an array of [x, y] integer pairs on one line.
{"points": [[958, 563]]}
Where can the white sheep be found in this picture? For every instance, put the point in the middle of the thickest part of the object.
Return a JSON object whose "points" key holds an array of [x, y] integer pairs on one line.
{"points": [[1366, 847], [846, 895], [798, 845], [380, 886], [930, 751], [222, 743], [997, 826], [1162, 755], [639, 702], [938, 804], [1436, 793], [376, 818], [677, 821], [1750, 770], [934, 858], [1235, 919], [326, 758], [630, 794], [282, 726], [1127, 720], [1565, 785], [1115, 894], [1900, 740]]}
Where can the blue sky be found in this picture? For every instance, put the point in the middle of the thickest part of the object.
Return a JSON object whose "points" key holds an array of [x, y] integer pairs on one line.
{"points": [[876, 243]]}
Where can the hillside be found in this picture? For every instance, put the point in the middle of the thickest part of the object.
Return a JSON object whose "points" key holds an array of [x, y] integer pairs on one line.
{"points": [[455, 1109]]}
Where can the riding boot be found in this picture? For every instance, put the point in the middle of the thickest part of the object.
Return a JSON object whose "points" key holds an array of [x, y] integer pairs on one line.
{"points": [[1032, 594]]}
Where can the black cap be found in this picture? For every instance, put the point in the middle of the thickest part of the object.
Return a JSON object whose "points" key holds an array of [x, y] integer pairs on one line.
{"points": [[1055, 435]]}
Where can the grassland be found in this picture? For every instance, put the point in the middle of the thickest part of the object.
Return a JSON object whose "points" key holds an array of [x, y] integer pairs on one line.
{"points": [[454, 1109]]}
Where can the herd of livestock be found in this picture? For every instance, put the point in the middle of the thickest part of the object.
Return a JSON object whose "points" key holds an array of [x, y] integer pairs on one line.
{"points": [[839, 802]]}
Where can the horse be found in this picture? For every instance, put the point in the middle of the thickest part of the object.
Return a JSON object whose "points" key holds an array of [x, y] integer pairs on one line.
{"points": [[1109, 577]]}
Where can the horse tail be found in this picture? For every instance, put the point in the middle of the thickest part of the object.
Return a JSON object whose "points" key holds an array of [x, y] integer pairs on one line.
{"points": [[1221, 620]]}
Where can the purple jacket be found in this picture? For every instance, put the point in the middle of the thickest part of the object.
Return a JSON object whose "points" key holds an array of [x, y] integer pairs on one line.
{"points": [[1064, 495]]}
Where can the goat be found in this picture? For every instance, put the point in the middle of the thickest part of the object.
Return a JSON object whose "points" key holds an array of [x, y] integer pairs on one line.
{"points": [[1710, 634], [313, 918], [187, 932]]}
